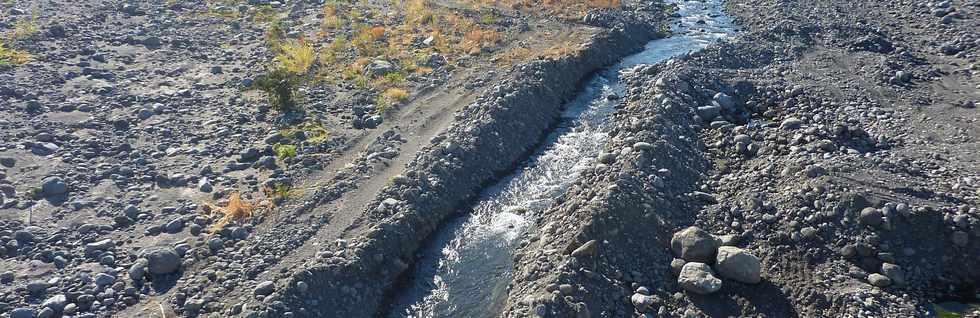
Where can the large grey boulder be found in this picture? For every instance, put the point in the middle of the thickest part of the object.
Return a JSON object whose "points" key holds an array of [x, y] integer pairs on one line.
{"points": [[739, 265], [265, 288], [871, 216], [879, 280], [161, 260], [791, 123], [138, 269], [103, 245], [56, 303], [724, 101], [694, 245], [709, 112], [698, 278], [587, 249], [53, 186], [434, 60]]}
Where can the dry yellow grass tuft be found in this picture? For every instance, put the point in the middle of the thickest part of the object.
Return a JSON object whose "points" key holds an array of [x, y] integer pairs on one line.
{"points": [[265, 14], [315, 131], [515, 55], [417, 12], [387, 100], [330, 19], [12, 56], [295, 56], [393, 36], [224, 9], [395, 94], [25, 28]]}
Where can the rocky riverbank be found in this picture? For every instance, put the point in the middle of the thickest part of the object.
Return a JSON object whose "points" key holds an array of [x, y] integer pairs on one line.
{"points": [[829, 144]]}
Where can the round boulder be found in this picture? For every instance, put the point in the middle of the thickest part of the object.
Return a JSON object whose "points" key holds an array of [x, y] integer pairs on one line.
{"points": [[53, 186], [265, 288], [57, 303], [694, 245], [698, 278], [739, 265], [871, 216], [161, 260], [879, 280], [791, 123], [643, 302], [138, 269]]}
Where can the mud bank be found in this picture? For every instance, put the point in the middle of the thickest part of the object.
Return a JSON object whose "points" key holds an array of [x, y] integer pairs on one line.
{"points": [[351, 278]]}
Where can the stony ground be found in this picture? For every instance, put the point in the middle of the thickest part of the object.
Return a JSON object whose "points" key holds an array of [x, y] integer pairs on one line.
{"points": [[826, 158], [142, 163], [824, 162]]}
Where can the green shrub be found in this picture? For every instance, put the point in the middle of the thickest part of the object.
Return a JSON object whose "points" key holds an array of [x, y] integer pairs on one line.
{"points": [[284, 151], [282, 191], [382, 105], [280, 86]]}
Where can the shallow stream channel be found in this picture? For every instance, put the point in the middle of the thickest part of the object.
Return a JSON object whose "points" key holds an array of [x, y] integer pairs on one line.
{"points": [[466, 266]]}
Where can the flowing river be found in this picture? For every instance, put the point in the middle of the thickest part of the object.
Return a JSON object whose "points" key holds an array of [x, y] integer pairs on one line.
{"points": [[465, 269]]}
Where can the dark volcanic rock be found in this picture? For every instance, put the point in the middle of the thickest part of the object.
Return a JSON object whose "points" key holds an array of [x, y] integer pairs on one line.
{"points": [[161, 260]]}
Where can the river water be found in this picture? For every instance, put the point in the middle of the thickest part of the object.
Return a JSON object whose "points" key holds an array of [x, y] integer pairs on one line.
{"points": [[465, 269]]}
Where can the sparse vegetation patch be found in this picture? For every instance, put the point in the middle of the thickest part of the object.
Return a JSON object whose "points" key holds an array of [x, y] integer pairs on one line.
{"points": [[10, 56], [314, 132], [284, 151], [281, 88], [23, 29]]}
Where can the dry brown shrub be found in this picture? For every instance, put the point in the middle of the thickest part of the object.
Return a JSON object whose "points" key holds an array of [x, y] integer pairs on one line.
{"points": [[237, 209], [377, 32]]}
